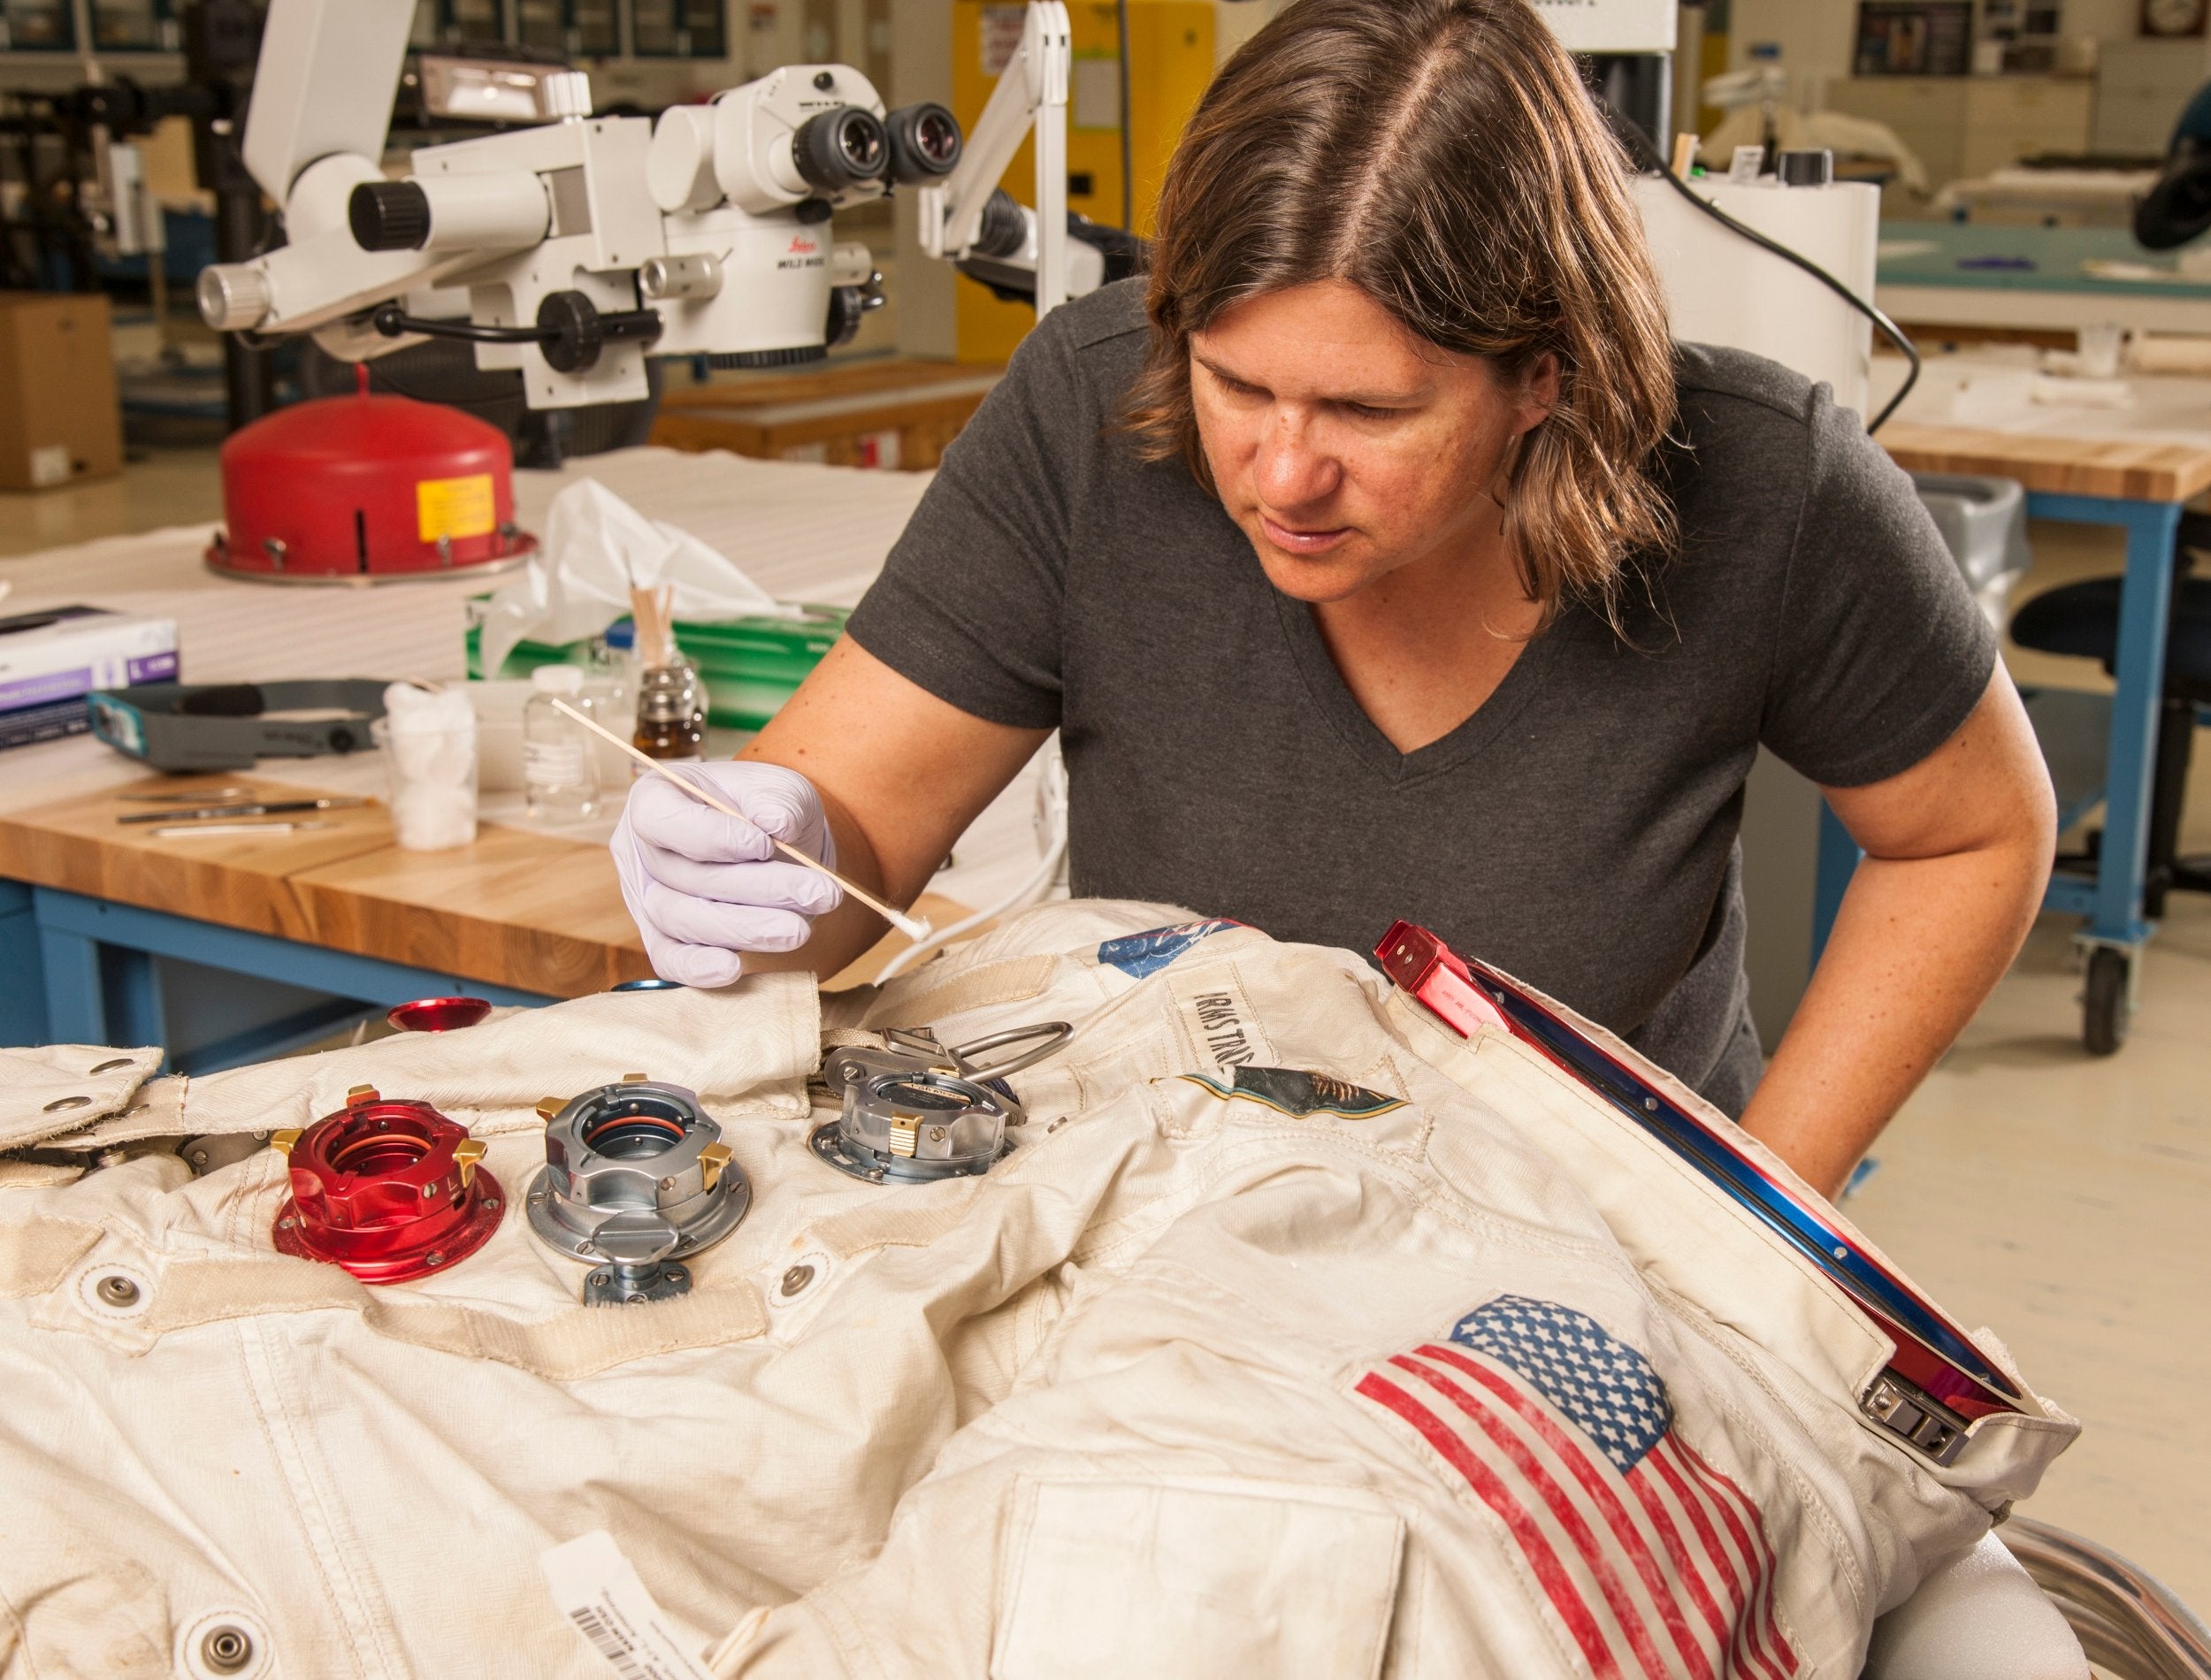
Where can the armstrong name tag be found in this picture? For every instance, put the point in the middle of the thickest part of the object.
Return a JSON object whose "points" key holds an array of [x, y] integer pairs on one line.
{"points": [[1301, 1094], [1217, 1019]]}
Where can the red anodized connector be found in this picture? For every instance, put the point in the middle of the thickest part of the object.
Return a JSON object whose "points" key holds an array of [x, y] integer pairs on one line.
{"points": [[388, 1191]]}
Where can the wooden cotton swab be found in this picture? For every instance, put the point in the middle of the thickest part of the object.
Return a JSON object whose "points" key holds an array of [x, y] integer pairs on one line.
{"points": [[916, 928]]}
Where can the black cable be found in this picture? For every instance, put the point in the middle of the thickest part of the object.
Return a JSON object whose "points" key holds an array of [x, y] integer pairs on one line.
{"points": [[1127, 149], [1872, 312], [390, 320]]}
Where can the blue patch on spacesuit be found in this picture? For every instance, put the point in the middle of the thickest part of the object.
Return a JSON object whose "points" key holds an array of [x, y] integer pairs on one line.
{"points": [[1138, 955]]}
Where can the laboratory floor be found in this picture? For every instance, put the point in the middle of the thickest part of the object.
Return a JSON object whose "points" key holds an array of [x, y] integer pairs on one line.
{"points": [[2067, 1201], [158, 486], [2028, 1186]]}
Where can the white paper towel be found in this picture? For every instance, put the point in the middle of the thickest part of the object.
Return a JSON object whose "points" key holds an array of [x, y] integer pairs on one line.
{"points": [[596, 547]]}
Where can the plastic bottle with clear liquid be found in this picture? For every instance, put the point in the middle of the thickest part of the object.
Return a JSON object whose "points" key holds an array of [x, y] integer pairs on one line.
{"points": [[558, 774]]}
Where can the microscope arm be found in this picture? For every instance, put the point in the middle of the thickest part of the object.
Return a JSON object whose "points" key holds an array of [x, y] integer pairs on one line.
{"points": [[322, 85], [1033, 90], [321, 106]]}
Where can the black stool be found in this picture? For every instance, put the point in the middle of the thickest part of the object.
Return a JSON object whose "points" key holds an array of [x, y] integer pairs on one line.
{"points": [[2084, 619]]}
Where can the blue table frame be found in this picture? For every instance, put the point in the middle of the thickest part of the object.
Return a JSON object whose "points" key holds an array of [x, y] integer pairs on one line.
{"points": [[2112, 902], [90, 978]]}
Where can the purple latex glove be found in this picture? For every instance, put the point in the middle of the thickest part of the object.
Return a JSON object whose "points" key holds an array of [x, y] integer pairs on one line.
{"points": [[704, 888]]}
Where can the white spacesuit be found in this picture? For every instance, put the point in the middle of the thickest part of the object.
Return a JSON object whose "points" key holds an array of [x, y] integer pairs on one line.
{"points": [[1411, 1357]]}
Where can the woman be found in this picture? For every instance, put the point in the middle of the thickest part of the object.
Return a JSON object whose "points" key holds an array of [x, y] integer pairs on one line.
{"points": [[1399, 565]]}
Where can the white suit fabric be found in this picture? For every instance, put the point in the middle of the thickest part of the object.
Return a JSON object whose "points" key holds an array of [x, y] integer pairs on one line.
{"points": [[1430, 1364]]}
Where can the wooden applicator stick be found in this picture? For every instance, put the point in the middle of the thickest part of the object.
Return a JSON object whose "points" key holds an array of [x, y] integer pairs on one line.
{"points": [[915, 928]]}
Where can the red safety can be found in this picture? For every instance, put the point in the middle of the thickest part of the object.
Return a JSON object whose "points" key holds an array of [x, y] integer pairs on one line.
{"points": [[365, 489]]}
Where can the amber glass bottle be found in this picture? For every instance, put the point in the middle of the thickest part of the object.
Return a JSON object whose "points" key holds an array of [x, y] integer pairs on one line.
{"points": [[671, 713]]}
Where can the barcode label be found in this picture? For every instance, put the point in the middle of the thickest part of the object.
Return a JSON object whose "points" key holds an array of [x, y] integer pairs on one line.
{"points": [[601, 1594], [611, 1645]]}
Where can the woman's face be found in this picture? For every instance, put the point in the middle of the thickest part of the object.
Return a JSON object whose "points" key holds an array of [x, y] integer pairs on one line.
{"points": [[1344, 447]]}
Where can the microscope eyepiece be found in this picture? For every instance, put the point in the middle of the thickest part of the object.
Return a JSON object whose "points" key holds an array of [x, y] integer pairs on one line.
{"points": [[839, 149], [925, 142]]}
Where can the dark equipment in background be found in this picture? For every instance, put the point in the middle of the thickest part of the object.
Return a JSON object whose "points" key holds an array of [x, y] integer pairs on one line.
{"points": [[1634, 88], [222, 40], [2178, 207], [50, 141], [48, 236], [52, 238]]}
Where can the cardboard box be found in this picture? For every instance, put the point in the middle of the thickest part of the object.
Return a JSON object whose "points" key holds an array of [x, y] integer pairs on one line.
{"points": [[51, 660], [60, 421]]}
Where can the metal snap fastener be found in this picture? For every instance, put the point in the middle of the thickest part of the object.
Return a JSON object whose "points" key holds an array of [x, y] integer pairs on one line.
{"points": [[117, 1290], [61, 1102], [227, 1650], [110, 1065], [796, 1279]]}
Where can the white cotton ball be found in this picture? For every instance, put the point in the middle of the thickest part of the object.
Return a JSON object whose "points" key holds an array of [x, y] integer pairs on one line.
{"points": [[431, 818], [429, 738]]}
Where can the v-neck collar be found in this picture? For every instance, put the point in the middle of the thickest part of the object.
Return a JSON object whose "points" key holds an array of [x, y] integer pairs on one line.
{"points": [[1334, 697]]}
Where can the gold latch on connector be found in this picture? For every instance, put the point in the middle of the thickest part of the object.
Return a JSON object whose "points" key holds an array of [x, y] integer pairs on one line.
{"points": [[466, 1154], [712, 1159]]}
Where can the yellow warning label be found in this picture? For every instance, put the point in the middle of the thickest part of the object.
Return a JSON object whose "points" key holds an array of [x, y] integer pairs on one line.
{"points": [[455, 507]]}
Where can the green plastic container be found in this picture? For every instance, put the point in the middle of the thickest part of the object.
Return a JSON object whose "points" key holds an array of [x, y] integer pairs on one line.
{"points": [[750, 666]]}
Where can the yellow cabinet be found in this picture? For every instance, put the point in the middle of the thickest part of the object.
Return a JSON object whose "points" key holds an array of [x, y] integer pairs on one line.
{"points": [[1171, 61]]}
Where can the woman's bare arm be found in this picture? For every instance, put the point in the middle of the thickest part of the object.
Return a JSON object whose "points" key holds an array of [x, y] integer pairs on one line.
{"points": [[1957, 850], [901, 775]]}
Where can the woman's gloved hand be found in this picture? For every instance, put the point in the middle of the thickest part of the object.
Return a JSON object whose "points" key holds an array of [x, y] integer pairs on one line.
{"points": [[704, 888]]}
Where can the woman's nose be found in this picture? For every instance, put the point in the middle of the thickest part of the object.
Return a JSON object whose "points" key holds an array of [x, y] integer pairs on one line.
{"points": [[1291, 472]]}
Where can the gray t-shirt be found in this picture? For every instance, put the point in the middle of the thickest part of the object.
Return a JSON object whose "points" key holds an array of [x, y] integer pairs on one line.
{"points": [[1578, 829]]}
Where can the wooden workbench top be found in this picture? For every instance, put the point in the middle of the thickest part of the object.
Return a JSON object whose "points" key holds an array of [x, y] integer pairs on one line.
{"points": [[2154, 445], [536, 912], [2136, 469]]}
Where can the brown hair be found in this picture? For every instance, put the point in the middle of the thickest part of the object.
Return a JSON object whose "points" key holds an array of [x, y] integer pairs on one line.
{"points": [[1443, 157]]}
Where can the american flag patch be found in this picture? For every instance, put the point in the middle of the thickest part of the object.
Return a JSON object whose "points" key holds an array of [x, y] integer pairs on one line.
{"points": [[1657, 1564]]}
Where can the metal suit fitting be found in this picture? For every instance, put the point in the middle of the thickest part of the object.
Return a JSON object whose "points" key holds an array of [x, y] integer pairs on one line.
{"points": [[914, 1110], [436, 1015], [636, 1178], [388, 1191]]}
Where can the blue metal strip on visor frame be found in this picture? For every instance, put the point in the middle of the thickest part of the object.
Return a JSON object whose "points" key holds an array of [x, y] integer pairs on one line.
{"points": [[1422, 965]]}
